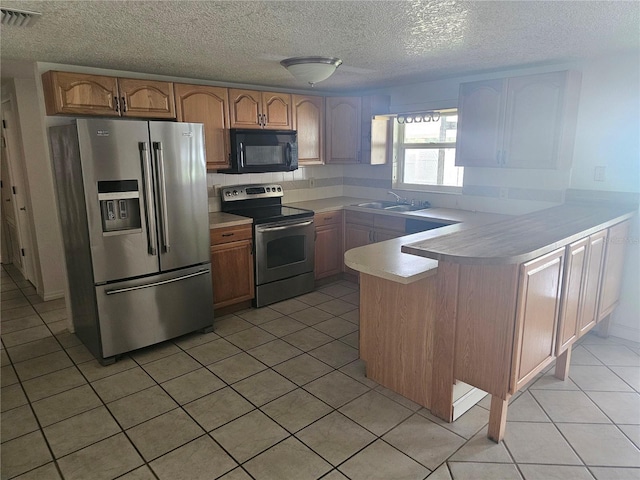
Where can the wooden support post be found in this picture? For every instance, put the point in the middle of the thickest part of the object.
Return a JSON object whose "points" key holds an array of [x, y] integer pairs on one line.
{"points": [[497, 418], [603, 327], [562, 364]]}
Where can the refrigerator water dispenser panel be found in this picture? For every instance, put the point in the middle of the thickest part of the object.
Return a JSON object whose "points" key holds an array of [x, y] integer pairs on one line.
{"points": [[120, 206]]}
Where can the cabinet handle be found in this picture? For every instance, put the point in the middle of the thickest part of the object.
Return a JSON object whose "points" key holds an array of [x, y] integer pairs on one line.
{"points": [[228, 234], [116, 104], [504, 158], [124, 104], [328, 218]]}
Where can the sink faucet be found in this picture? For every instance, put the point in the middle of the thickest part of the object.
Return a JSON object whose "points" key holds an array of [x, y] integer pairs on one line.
{"points": [[399, 199]]}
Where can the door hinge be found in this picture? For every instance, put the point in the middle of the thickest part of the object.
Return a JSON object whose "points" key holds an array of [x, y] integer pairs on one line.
{"points": [[22, 251], [13, 190]]}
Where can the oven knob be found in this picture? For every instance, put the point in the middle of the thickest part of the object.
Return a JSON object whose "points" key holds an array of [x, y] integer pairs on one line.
{"points": [[279, 189], [235, 192], [268, 189], [227, 194]]}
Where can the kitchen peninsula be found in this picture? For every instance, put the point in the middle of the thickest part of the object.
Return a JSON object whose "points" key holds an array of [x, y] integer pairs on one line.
{"points": [[499, 303]]}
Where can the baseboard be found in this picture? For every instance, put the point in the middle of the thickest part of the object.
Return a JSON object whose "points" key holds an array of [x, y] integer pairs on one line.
{"points": [[53, 295], [622, 331]]}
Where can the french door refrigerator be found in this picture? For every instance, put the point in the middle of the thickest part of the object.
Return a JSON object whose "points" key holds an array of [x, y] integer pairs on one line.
{"points": [[133, 205]]}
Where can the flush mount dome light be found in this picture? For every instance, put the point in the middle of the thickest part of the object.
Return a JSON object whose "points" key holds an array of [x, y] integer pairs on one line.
{"points": [[311, 69]]}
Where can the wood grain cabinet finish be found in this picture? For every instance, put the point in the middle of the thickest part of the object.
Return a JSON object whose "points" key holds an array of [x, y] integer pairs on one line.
{"points": [[536, 316], [576, 261], [146, 98], [343, 126], [591, 282], [232, 265], [617, 240], [81, 94], [256, 109], [209, 106], [329, 240], [308, 121], [518, 122]]}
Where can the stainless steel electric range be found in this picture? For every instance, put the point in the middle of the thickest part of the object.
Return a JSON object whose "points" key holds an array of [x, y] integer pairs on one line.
{"points": [[283, 239]]}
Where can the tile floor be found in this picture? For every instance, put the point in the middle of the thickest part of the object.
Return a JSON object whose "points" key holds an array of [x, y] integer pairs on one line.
{"points": [[279, 393]]}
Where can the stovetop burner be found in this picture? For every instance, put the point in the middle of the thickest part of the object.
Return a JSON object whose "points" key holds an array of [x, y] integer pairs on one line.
{"points": [[263, 203]]}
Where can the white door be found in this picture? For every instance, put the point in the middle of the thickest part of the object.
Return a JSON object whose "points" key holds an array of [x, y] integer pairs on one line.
{"points": [[14, 195]]}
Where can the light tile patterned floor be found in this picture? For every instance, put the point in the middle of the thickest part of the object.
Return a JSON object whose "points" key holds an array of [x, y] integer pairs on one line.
{"points": [[279, 393]]}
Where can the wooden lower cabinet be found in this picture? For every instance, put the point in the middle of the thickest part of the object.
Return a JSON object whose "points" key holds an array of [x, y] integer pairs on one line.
{"points": [[592, 281], [328, 252], [612, 270], [536, 316], [232, 265]]}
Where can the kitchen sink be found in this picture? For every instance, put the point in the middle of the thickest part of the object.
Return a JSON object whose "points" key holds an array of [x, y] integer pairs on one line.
{"points": [[390, 206]]}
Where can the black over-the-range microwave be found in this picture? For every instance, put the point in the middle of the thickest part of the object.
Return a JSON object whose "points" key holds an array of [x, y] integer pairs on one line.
{"points": [[259, 151]]}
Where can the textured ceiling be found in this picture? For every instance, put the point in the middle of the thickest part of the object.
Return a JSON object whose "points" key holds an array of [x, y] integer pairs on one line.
{"points": [[381, 42]]}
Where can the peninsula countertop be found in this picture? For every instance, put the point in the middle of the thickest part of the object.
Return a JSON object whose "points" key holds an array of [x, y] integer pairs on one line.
{"points": [[520, 238]]}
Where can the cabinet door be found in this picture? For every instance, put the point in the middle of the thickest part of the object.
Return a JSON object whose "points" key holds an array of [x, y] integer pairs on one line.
{"points": [[356, 236], [328, 260], [146, 98], [76, 93], [276, 111], [244, 108], [342, 129], [308, 121], [232, 273], [591, 287], [209, 106], [613, 267], [536, 316], [533, 120], [480, 121], [572, 287]]}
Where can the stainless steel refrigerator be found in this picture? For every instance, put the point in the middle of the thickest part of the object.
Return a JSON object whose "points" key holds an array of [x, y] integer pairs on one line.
{"points": [[133, 204]]}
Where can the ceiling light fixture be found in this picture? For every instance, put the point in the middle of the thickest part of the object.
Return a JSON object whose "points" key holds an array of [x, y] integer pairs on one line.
{"points": [[19, 18], [311, 69]]}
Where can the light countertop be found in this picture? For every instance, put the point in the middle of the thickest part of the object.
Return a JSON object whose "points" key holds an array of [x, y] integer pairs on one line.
{"points": [[222, 219], [386, 259]]}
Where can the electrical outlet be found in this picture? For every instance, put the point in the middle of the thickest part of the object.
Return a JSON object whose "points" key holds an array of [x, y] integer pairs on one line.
{"points": [[504, 192], [598, 174], [312, 182]]}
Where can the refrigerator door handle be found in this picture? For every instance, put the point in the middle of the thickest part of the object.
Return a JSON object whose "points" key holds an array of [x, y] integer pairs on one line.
{"points": [[148, 198], [157, 146], [155, 284]]}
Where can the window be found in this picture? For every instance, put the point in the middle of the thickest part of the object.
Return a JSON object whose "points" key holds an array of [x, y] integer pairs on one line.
{"points": [[425, 152]]}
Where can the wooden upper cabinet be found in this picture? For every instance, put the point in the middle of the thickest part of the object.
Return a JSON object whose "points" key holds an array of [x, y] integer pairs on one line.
{"points": [[613, 267], [209, 106], [519, 122], [254, 109], [308, 121], [80, 94], [146, 98], [480, 113], [536, 316], [343, 124]]}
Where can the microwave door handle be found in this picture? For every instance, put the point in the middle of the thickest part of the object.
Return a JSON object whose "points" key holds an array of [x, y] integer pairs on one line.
{"points": [[241, 154], [288, 154], [157, 146], [148, 198]]}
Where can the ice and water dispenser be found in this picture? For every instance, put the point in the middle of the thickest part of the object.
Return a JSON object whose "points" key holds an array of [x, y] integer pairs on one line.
{"points": [[120, 206]]}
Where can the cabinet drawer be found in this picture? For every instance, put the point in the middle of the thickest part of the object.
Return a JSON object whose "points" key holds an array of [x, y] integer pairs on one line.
{"points": [[328, 218], [359, 217], [389, 222], [231, 234]]}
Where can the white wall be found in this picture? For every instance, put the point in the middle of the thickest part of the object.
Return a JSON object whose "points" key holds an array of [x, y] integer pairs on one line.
{"points": [[48, 252]]}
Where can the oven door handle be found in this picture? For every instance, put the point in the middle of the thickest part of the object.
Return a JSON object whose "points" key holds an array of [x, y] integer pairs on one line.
{"points": [[284, 227]]}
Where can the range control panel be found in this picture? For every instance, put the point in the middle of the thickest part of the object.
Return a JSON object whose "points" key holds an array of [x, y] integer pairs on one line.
{"points": [[249, 192]]}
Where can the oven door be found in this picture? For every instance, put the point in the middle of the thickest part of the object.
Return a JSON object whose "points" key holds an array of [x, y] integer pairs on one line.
{"points": [[284, 249]]}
